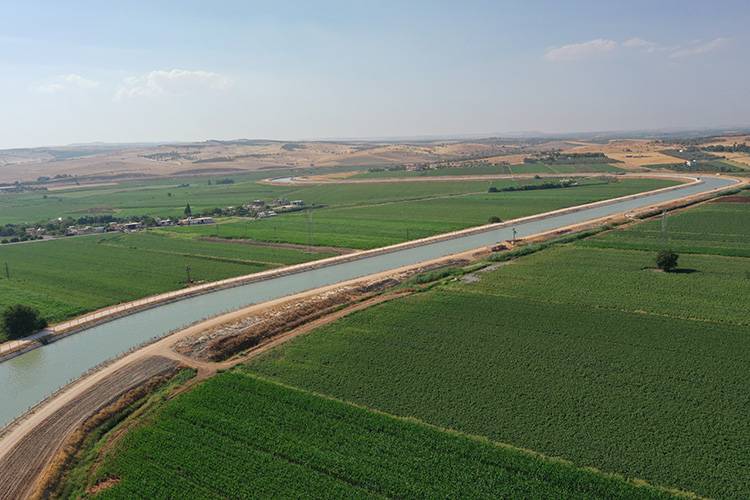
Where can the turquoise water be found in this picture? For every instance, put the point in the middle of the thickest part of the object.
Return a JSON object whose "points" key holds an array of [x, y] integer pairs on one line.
{"points": [[29, 378]]}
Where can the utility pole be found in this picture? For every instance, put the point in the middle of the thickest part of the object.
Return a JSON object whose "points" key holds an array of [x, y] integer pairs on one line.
{"points": [[187, 271], [664, 235]]}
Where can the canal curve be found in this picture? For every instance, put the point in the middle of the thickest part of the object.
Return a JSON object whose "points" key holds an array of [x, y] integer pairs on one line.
{"points": [[29, 378]]}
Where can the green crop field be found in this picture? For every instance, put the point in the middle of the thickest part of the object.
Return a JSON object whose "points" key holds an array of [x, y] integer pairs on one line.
{"points": [[433, 209], [577, 351], [168, 197], [67, 277], [721, 228], [241, 437], [483, 169]]}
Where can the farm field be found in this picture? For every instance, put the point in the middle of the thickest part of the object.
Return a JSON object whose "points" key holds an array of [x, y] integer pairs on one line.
{"points": [[67, 277], [101, 270], [168, 197], [163, 197], [240, 436], [577, 351], [493, 170], [718, 228], [387, 221]]}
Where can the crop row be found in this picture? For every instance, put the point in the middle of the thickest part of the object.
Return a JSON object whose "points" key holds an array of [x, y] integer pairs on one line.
{"points": [[644, 395], [238, 436], [67, 277], [713, 228]]}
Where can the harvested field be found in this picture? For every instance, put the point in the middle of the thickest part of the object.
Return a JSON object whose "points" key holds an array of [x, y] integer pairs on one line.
{"points": [[24, 462], [741, 158], [732, 199], [635, 153]]}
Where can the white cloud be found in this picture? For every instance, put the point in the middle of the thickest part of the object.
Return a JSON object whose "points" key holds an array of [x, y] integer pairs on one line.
{"points": [[171, 82], [699, 47], [641, 44], [583, 50], [61, 83]]}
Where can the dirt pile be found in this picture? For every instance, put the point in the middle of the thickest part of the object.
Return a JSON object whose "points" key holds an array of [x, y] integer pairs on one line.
{"points": [[226, 340]]}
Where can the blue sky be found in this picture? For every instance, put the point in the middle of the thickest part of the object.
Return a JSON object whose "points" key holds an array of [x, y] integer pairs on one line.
{"points": [[190, 70]]}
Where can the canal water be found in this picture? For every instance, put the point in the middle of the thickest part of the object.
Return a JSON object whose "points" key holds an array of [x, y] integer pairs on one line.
{"points": [[27, 379]]}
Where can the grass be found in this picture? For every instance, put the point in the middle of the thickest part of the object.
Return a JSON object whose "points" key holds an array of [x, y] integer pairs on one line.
{"points": [[67, 277], [390, 221], [581, 351], [71, 480], [164, 197], [712, 228], [487, 169], [240, 436]]}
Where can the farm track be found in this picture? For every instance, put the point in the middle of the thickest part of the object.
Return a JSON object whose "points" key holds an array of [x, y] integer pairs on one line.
{"points": [[289, 246], [10, 349], [28, 457], [25, 449], [25, 459]]}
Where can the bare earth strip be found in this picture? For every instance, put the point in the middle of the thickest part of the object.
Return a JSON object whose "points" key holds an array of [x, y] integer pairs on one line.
{"points": [[16, 347], [21, 462], [292, 246], [27, 448]]}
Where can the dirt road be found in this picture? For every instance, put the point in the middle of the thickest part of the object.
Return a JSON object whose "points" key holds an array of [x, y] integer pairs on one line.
{"points": [[30, 447], [26, 448], [25, 457]]}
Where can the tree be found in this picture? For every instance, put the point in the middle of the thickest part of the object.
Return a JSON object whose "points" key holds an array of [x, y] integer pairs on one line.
{"points": [[188, 210], [666, 260], [494, 219], [20, 320]]}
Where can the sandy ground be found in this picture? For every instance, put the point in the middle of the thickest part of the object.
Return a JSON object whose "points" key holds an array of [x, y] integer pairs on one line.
{"points": [[23, 459], [634, 153], [743, 158]]}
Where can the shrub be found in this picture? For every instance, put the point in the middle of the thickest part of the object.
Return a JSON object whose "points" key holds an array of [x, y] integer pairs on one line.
{"points": [[20, 320], [494, 219], [666, 260]]}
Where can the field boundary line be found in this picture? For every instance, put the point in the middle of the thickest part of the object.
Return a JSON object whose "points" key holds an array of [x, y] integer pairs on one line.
{"points": [[63, 329]]}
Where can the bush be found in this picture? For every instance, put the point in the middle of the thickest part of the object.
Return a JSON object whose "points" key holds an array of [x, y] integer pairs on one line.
{"points": [[666, 260], [21, 320], [494, 219]]}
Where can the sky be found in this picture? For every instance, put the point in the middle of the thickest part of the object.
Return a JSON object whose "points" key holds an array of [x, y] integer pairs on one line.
{"points": [[75, 72]]}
